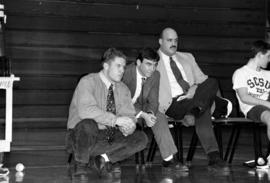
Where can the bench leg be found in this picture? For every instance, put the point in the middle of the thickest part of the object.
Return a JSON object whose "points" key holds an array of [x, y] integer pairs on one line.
{"points": [[235, 140], [229, 145], [153, 152], [70, 157], [192, 146], [178, 141], [218, 134], [151, 149], [257, 141]]}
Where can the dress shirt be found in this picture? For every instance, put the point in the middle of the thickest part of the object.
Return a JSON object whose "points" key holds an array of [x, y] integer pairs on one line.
{"points": [[175, 87], [138, 90]]}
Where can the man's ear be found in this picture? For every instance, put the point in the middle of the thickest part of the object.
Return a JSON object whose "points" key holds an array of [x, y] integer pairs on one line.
{"points": [[138, 62], [160, 41], [105, 65]]}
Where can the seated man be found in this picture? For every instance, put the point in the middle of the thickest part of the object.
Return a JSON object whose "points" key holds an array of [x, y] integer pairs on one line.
{"points": [[186, 91], [252, 85], [143, 81], [101, 120]]}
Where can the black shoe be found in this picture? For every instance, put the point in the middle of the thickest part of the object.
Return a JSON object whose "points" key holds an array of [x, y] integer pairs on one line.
{"points": [[216, 164], [116, 168], [103, 168], [223, 107], [173, 165], [219, 166], [80, 171]]}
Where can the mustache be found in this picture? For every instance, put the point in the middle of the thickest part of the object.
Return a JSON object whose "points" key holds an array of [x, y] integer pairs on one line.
{"points": [[173, 47]]}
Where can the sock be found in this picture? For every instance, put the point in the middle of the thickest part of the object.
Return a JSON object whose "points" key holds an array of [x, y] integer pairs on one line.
{"points": [[105, 157], [169, 158]]}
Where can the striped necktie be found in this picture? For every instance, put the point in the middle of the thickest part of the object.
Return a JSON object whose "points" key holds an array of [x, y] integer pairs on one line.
{"points": [[179, 78]]}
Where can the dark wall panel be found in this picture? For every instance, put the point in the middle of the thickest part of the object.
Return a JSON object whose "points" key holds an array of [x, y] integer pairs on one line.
{"points": [[51, 43]]}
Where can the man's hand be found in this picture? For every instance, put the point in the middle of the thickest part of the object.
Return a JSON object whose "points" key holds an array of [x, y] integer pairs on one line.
{"points": [[191, 92], [150, 119], [126, 125]]}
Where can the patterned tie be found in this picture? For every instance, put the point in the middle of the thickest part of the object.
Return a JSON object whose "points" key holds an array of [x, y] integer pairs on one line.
{"points": [[177, 73], [110, 107]]}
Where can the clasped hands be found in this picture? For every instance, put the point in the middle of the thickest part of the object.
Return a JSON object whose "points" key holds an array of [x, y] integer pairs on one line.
{"points": [[150, 119], [125, 124]]}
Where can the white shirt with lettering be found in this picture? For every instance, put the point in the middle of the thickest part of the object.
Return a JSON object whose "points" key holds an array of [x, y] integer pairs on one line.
{"points": [[256, 82]]}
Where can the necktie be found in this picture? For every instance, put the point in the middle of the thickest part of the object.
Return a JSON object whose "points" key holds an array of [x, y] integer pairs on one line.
{"points": [[177, 73], [141, 94], [110, 107], [141, 121]]}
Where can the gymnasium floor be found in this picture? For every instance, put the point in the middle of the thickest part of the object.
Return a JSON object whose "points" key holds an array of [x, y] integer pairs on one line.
{"points": [[197, 174]]}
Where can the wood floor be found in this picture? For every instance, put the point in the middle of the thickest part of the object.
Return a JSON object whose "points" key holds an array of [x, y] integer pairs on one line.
{"points": [[155, 174]]}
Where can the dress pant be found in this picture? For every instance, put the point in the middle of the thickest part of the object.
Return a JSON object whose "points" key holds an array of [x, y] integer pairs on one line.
{"points": [[203, 98], [163, 136], [86, 141]]}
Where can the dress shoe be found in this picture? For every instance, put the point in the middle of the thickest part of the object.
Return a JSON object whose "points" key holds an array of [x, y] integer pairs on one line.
{"points": [[80, 171], [219, 166], [216, 164], [116, 168], [223, 107], [103, 168], [173, 165]]}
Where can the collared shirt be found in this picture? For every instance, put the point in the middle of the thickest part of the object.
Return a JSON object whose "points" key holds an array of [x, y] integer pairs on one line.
{"points": [[138, 89], [90, 99], [175, 87], [105, 81], [138, 86]]}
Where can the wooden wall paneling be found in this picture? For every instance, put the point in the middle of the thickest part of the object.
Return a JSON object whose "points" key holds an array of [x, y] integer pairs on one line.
{"points": [[41, 97], [54, 67], [82, 40], [232, 57], [38, 111], [62, 53], [259, 4], [47, 82], [128, 26], [96, 10], [51, 41], [221, 70]]}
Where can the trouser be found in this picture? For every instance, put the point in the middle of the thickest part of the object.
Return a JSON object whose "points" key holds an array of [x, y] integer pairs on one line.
{"points": [[86, 141], [163, 136], [203, 98]]}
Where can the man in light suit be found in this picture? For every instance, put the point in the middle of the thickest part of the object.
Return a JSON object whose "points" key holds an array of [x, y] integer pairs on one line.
{"points": [[101, 122], [145, 96], [186, 91]]}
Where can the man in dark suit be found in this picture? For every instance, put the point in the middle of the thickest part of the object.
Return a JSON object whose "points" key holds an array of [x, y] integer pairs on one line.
{"points": [[143, 81]]}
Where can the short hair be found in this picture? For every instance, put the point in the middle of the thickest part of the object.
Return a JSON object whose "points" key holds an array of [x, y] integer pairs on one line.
{"points": [[259, 46], [110, 54], [148, 53]]}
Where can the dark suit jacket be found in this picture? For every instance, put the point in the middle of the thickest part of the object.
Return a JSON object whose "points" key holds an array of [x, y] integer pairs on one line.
{"points": [[150, 89]]}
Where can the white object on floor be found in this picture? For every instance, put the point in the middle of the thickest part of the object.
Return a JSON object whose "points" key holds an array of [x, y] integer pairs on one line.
{"points": [[19, 167]]}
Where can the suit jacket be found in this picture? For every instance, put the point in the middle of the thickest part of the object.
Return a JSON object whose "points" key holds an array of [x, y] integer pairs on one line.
{"points": [[90, 98], [192, 71], [150, 89]]}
